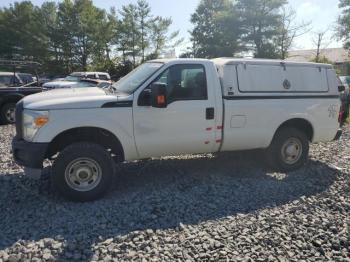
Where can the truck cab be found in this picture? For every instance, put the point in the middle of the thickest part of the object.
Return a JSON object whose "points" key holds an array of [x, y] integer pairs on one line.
{"points": [[174, 107]]}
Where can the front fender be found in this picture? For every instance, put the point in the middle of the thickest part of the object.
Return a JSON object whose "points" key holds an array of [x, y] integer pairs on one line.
{"points": [[118, 121]]}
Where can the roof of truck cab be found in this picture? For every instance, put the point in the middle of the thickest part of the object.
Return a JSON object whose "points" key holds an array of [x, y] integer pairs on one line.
{"points": [[233, 61], [168, 60]]}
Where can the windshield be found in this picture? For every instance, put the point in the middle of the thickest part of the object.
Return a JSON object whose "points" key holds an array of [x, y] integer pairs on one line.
{"points": [[134, 79], [72, 78], [26, 78]]}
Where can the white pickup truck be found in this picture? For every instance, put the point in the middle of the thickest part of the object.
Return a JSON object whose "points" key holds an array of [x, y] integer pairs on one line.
{"points": [[173, 107]]}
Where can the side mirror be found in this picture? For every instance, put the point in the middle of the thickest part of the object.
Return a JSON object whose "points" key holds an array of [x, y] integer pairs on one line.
{"points": [[145, 98], [159, 95], [341, 88]]}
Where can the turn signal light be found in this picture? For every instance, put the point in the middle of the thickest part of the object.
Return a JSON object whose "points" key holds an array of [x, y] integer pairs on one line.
{"points": [[41, 120], [161, 100]]}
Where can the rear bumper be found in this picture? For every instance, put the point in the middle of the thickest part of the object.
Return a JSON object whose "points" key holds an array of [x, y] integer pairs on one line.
{"points": [[338, 135], [29, 154]]}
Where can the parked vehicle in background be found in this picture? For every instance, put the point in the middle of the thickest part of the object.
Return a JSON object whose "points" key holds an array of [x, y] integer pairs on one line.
{"points": [[94, 83], [86, 83], [345, 98], [345, 80], [16, 85], [74, 78], [174, 107], [9, 96], [15, 79]]}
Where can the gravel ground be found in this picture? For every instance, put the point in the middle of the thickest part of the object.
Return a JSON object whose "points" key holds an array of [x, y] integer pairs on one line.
{"points": [[203, 208]]}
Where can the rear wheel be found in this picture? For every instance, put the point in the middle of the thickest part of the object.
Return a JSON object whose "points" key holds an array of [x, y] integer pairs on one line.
{"points": [[289, 150], [83, 172], [8, 113]]}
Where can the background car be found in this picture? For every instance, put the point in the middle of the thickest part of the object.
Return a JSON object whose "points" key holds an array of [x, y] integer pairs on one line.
{"points": [[15, 79], [345, 80], [74, 78], [345, 98], [84, 83], [10, 95]]}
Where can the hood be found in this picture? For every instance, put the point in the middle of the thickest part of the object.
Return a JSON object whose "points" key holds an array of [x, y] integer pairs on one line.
{"points": [[72, 98], [59, 84]]}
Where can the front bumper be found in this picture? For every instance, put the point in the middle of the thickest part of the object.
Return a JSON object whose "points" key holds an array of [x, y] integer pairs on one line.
{"points": [[338, 135], [29, 154]]}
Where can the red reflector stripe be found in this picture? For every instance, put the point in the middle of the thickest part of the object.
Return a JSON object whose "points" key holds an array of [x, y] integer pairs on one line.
{"points": [[219, 127], [209, 129], [207, 142], [218, 141]]}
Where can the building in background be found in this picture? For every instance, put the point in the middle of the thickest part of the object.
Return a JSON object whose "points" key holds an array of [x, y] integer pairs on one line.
{"points": [[338, 56], [168, 54]]}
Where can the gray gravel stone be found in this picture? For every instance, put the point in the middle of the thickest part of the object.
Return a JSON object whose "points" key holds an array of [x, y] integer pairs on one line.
{"points": [[194, 207]]}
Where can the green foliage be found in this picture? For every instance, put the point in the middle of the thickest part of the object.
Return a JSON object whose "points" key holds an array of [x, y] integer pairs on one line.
{"points": [[322, 60], [142, 36], [343, 29], [22, 33], [216, 29], [77, 35], [227, 27], [145, 23], [160, 40], [130, 32], [261, 21]]}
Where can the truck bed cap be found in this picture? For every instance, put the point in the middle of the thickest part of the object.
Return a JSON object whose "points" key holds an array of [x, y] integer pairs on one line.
{"points": [[233, 61]]}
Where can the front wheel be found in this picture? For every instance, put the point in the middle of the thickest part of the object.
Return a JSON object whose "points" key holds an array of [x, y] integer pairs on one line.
{"points": [[289, 150], [83, 172]]}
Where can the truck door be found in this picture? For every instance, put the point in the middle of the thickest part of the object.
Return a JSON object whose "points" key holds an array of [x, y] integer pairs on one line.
{"points": [[187, 124]]}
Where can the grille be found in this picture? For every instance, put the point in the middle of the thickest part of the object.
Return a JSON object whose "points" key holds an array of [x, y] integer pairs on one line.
{"points": [[19, 119]]}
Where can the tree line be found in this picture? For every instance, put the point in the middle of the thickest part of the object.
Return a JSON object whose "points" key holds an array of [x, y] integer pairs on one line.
{"points": [[264, 28], [77, 35], [343, 28]]}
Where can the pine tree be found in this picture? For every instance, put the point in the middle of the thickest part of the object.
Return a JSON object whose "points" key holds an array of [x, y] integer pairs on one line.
{"points": [[216, 29], [260, 20], [343, 29]]}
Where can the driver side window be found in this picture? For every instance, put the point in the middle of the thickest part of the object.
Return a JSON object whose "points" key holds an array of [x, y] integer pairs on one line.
{"points": [[185, 82]]}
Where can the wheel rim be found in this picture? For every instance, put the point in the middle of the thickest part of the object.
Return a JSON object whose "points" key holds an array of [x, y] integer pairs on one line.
{"points": [[10, 114], [291, 151], [83, 174]]}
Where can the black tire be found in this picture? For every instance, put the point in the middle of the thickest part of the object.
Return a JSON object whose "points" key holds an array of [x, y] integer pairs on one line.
{"points": [[278, 160], [64, 169], [5, 111]]}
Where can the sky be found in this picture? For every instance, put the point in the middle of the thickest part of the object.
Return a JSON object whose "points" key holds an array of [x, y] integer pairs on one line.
{"points": [[321, 13]]}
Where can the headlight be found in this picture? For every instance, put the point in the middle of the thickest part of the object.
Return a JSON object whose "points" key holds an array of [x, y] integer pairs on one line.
{"points": [[32, 122]]}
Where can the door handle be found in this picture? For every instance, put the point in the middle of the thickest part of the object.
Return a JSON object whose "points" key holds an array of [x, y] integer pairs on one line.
{"points": [[210, 113]]}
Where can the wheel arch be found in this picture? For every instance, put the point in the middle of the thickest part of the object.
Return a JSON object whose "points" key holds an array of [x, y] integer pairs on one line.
{"points": [[301, 124], [96, 135]]}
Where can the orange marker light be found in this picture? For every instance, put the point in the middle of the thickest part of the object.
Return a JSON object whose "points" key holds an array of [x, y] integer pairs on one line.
{"points": [[161, 99], [41, 120]]}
